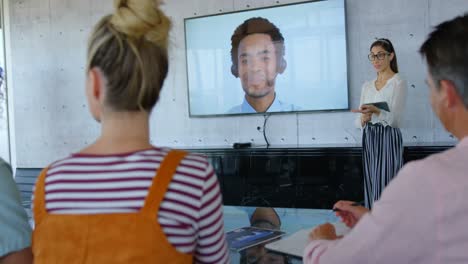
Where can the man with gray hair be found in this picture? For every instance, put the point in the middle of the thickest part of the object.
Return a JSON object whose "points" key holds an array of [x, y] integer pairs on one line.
{"points": [[422, 214]]}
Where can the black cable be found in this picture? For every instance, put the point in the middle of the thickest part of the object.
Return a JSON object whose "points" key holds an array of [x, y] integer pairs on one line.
{"points": [[266, 116]]}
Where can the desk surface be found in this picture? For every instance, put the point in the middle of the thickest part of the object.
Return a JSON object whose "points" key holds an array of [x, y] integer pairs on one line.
{"points": [[289, 220]]}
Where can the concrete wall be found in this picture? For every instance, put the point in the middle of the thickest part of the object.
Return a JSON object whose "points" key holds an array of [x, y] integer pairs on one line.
{"points": [[4, 140], [50, 118], [4, 134]]}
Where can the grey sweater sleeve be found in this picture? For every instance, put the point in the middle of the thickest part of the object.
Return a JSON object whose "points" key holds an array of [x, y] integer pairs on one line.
{"points": [[15, 231]]}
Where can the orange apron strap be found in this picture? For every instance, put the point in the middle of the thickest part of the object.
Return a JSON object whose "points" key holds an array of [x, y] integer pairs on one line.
{"points": [[161, 181], [39, 198]]}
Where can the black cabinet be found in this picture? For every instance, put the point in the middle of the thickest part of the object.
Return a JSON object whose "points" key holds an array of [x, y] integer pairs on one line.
{"points": [[297, 178], [314, 177], [294, 177]]}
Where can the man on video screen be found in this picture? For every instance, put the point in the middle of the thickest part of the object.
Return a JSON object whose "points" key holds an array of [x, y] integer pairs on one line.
{"points": [[257, 54]]}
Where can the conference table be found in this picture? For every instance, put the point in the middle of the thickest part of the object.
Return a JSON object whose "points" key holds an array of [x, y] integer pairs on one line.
{"points": [[288, 220]]}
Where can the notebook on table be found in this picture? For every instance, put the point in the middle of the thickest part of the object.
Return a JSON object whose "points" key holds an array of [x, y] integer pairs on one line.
{"points": [[295, 244]]}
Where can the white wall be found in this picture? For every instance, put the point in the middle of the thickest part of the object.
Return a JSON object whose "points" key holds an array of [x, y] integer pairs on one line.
{"points": [[48, 42], [4, 139]]}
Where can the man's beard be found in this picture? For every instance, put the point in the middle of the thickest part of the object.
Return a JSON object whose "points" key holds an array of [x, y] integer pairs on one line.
{"points": [[263, 92]]}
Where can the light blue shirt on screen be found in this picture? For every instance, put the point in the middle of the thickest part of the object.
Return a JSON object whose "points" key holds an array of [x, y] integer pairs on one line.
{"points": [[15, 232], [276, 106]]}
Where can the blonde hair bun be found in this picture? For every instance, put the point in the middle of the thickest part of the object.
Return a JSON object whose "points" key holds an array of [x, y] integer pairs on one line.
{"points": [[141, 18]]}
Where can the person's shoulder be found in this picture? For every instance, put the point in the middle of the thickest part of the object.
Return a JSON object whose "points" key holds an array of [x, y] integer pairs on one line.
{"points": [[296, 108], [192, 163], [451, 159], [8, 188], [61, 162], [197, 159], [286, 106], [367, 84], [398, 77], [399, 80], [432, 166], [235, 109], [4, 166], [198, 167], [6, 175], [416, 179]]}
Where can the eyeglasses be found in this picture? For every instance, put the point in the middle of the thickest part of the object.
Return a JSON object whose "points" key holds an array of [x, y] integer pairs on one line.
{"points": [[379, 56]]}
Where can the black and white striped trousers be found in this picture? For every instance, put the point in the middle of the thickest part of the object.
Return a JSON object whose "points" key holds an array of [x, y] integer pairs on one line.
{"points": [[382, 151]]}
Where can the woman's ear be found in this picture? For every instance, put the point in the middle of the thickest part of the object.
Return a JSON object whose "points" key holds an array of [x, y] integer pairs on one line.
{"points": [[95, 87], [392, 55], [96, 84]]}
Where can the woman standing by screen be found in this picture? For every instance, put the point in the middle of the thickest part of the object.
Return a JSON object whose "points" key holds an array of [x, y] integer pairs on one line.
{"points": [[382, 141]]}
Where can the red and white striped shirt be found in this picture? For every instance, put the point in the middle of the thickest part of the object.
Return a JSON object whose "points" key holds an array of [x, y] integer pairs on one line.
{"points": [[191, 213]]}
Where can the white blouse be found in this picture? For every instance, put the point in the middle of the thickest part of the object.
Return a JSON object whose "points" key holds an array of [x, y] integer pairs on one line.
{"points": [[394, 93]]}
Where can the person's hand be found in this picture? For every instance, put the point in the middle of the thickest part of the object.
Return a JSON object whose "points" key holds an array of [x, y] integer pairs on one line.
{"points": [[326, 232], [366, 113], [365, 118], [366, 109], [348, 213]]}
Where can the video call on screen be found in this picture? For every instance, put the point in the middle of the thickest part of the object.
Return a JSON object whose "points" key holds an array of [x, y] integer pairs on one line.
{"points": [[315, 71]]}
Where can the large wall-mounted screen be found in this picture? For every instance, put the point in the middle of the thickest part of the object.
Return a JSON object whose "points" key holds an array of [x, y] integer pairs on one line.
{"points": [[285, 58]]}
